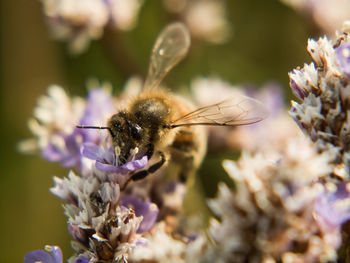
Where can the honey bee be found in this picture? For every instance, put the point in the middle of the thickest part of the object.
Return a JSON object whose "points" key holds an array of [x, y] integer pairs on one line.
{"points": [[163, 124]]}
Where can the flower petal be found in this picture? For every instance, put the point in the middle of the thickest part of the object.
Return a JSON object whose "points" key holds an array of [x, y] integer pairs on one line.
{"points": [[109, 168], [343, 57], [136, 164], [56, 253], [82, 259], [332, 208], [53, 255], [38, 256], [91, 151], [99, 107], [149, 211]]}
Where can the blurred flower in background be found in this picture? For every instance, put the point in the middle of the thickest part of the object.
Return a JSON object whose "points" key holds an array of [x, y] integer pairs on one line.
{"points": [[327, 15], [206, 19], [80, 21]]}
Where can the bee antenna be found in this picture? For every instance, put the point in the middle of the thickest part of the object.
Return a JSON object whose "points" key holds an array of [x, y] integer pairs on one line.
{"points": [[92, 127]]}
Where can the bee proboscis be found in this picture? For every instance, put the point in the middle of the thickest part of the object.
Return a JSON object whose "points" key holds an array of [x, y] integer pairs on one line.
{"points": [[159, 122]]}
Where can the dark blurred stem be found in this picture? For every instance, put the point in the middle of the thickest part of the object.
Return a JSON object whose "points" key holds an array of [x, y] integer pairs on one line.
{"points": [[120, 54]]}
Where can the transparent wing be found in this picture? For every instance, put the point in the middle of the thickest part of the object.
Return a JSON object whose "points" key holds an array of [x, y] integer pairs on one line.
{"points": [[231, 112], [171, 46]]}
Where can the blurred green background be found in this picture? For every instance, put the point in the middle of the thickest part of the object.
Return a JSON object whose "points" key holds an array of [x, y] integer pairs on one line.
{"points": [[268, 40]]}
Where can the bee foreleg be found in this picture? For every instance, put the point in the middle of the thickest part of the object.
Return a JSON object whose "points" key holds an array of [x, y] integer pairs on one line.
{"points": [[153, 168], [143, 173], [150, 150]]}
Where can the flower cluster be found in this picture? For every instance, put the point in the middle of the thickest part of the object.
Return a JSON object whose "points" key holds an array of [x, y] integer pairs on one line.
{"points": [[269, 216], [323, 87], [104, 224], [291, 205], [79, 21], [106, 219], [55, 120]]}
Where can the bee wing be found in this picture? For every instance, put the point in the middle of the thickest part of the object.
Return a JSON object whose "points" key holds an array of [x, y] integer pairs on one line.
{"points": [[231, 112], [171, 46]]}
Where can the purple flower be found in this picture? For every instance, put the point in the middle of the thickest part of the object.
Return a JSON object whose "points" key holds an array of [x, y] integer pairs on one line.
{"points": [[271, 94], [149, 211], [342, 54], [65, 148], [332, 208], [52, 254], [68, 155], [99, 107], [78, 234], [105, 160], [82, 259]]}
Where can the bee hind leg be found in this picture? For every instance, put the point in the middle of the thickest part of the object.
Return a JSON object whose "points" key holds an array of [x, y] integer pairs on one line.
{"points": [[144, 173]]}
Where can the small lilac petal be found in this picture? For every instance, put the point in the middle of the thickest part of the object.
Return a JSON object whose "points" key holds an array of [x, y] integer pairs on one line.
{"points": [[56, 253], [297, 91], [142, 242], [91, 151], [38, 256], [136, 164], [71, 143], [149, 219], [125, 168], [77, 233], [51, 153], [71, 160], [53, 255], [342, 54], [271, 94], [108, 168], [99, 107], [149, 211], [108, 155], [69, 156], [82, 259], [333, 208]]}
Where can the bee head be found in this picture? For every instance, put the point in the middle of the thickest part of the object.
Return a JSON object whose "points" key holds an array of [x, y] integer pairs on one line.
{"points": [[126, 135]]}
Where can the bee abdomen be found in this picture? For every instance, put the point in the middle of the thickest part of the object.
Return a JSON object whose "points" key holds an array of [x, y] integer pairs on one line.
{"points": [[184, 142]]}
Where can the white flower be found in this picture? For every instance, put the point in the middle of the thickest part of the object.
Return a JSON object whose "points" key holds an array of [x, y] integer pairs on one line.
{"points": [[268, 215], [80, 21], [323, 88]]}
